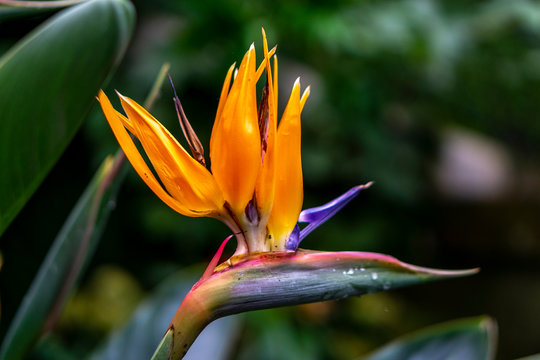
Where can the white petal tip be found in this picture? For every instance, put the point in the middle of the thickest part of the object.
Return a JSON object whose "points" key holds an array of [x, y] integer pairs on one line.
{"points": [[306, 93]]}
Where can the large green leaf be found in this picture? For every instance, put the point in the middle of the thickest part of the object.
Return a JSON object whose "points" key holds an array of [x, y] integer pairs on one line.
{"points": [[11, 10], [138, 339], [531, 357], [64, 261], [70, 251], [11, 13], [467, 339], [48, 82]]}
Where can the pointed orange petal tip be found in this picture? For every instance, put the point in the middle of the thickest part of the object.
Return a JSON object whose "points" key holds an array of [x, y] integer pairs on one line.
{"points": [[235, 144], [304, 97], [186, 180], [136, 160], [224, 94], [102, 97]]}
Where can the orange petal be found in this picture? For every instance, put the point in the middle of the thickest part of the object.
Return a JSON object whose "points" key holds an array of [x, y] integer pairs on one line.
{"points": [[289, 192], [304, 98], [235, 146], [265, 182], [262, 67], [276, 79], [185, 179], [224, 94], [115, 121], [127, 123]]}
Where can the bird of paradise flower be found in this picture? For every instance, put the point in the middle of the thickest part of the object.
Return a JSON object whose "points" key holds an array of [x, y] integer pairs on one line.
{"points": [[255, 186], [255, 183]]}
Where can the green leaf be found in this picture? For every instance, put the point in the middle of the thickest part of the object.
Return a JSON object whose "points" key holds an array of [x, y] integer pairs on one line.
{"points": [[466, 339], [165, 347], [271, 280], [27, 9], [64, 261], [70, 251], [531, 357], [138, 339], [49, 81], [12, 13]]}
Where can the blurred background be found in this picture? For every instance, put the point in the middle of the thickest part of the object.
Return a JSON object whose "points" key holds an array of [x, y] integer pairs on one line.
{"points": [[435, 101]]}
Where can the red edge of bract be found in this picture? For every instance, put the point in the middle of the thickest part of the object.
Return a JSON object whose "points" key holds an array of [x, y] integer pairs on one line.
{"points": [[307, 256], [214, 262]]}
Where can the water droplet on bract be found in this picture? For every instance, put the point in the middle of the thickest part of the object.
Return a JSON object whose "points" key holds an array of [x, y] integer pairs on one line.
{"points": [[374, 276], [349, 272], [362, 269]]}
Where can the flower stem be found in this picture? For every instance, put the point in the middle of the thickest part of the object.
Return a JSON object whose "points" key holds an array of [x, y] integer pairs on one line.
{"points": [[190, 320]]}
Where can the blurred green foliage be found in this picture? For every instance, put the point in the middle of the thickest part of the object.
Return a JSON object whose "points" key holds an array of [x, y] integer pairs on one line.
{"points": [[434, 101]]}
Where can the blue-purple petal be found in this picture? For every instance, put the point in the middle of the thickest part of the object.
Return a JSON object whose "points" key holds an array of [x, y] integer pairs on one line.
{"points": [[294, 239], [318, 215]]}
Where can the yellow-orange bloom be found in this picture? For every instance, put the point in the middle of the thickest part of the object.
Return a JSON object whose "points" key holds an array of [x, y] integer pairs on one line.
{"points": [[255, 182]]}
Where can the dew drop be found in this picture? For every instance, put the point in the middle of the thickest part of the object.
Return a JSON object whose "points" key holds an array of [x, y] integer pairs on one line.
{"points": [[374, 276], [349, 272]]}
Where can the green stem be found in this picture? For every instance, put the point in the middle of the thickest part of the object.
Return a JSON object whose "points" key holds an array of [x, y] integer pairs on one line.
{"points": [[155, 91], [193, 316]]}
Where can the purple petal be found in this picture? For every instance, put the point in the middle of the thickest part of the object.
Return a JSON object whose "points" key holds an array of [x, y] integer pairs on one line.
{"points": [[294, 239], [318, 215]]}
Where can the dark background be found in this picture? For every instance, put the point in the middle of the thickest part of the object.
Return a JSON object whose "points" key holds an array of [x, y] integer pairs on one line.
{"points": [[437, 102]]}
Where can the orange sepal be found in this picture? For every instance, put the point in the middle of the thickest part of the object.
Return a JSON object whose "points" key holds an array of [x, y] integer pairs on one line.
{"points": [[266, 181], [185, 179], [117, 123], [235, 144], [289, 192]]}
